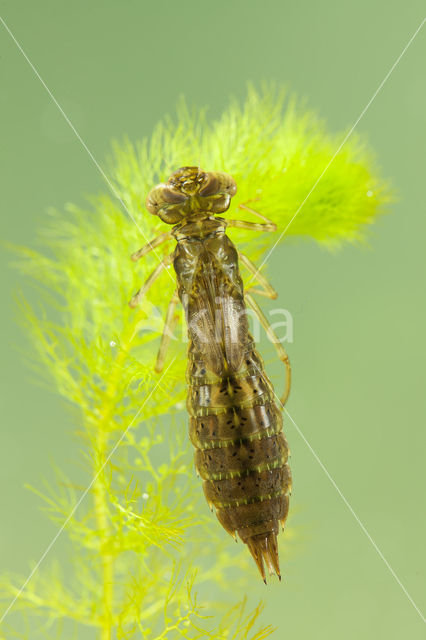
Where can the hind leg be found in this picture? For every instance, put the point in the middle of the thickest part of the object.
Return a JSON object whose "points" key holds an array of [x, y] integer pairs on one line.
{"points": [[282, 354]]}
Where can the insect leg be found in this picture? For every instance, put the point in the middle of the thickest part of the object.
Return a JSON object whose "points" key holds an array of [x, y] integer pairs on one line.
{"points": [[268, 225], [282, 354], [267, 290], [253, 226], [151, 246], [169, 325], [256, 213], [150, 281]]}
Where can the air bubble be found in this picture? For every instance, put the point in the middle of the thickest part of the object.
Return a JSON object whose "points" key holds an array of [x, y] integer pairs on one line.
{"points": [[112, 343], [145, 496]]}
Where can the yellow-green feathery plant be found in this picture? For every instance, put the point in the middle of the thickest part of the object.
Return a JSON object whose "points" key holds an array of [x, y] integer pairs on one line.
{"points": [[137, 539]]}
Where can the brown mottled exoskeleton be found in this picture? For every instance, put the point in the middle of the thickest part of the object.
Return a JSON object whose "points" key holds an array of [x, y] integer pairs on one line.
{"points": [[235, 422]]}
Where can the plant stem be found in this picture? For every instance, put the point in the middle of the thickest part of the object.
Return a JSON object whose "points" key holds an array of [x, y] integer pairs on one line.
{"points": [[102, 522], [100, 485]]}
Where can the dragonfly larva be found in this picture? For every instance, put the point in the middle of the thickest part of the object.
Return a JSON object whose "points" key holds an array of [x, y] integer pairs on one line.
{"points": [[235, 421]]}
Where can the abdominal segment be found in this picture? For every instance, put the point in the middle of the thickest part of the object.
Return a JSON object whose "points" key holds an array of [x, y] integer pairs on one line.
{"points": [[241, 453]]}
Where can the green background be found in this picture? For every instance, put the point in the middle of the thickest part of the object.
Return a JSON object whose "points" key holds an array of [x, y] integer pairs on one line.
{"points": [[359, 350]]}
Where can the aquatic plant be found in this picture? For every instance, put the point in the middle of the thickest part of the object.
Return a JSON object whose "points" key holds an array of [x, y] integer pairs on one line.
{"points": [[137, 540]]}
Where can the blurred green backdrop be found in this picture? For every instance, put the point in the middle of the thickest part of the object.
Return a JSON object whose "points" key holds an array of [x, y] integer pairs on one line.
{"points": [[359, 350]]}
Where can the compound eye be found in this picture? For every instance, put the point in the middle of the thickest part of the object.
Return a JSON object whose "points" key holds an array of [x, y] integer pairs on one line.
{"points": [[162, 197], [154, 199], [230, 186], [173, 197], [218, 183], [211, 186]]}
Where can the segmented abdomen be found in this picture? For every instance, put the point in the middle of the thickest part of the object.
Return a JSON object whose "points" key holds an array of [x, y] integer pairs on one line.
{"points": [[241, 453]]}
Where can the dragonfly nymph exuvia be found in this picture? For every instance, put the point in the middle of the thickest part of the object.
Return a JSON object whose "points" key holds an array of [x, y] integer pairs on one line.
{"points": [[235, 417]]}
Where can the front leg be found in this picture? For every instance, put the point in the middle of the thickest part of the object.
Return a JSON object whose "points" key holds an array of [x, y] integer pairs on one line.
{"points": [[252, 226], [268, 225], [150, 246], [256, 213]]}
